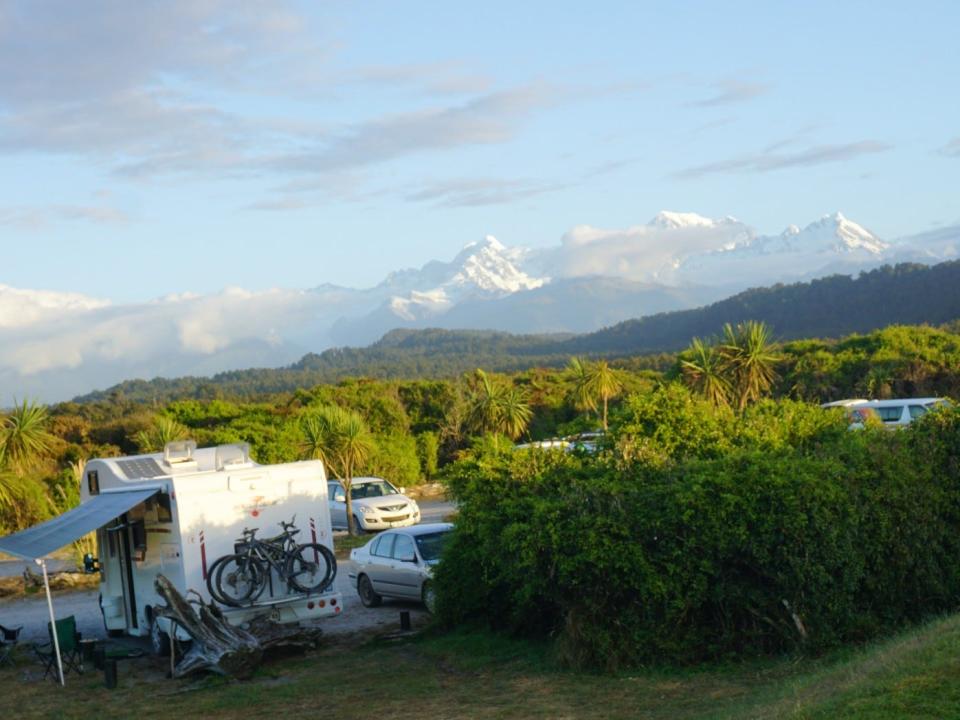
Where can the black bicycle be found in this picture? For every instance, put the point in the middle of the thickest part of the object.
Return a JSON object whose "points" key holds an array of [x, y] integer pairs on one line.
{"points": [[241, 578]]}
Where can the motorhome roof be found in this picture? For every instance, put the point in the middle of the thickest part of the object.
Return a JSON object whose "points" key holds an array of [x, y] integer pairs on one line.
{"points": [[180, 460], [893, 402]]}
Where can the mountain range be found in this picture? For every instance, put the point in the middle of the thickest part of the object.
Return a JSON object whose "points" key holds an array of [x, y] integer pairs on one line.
{"points": [[56, 345]]}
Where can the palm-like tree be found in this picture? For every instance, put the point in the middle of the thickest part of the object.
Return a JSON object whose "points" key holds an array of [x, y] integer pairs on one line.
{"points": [[483, 403], [747, 354], [582, 398], [515, 413], [494, 407], [165, 429], [603, 383], [23, 437], [703, 373], [341, 439]]}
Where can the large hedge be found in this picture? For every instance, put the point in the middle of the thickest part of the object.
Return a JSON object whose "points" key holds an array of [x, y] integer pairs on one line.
{"points": [[749, 535]]}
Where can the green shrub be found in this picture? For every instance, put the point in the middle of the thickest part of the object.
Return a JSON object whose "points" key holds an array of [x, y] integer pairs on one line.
{"points": [[394, 458], [777, 531]]}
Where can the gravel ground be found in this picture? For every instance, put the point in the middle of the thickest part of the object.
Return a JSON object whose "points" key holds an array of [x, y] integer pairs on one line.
{"points": [[31, 612]]}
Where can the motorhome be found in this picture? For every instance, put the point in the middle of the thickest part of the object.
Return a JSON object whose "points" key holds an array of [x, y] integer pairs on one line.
{"points": [[890, 413], [182, 510]]}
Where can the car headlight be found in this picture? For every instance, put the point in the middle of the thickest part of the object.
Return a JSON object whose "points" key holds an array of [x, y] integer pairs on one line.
{"points": [[368, 510]]}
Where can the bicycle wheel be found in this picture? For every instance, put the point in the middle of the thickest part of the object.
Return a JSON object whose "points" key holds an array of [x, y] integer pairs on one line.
{"points": [[239, 579], [311, 568], [212, 576]]}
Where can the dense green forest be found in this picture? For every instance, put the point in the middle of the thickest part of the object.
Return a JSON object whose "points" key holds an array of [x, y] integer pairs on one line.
{"points": [[827, 308], [733, 515], [418, 426]]}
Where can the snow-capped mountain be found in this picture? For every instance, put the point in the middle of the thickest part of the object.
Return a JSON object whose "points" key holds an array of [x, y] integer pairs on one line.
{"points": [[55, 345], [484, 269], [828, 245]]}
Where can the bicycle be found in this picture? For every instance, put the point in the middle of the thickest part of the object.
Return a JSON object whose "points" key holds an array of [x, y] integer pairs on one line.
{"points": [[242, 577]]}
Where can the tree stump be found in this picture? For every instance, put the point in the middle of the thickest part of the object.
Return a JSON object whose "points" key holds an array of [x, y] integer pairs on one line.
{"points": [[221, 647]]}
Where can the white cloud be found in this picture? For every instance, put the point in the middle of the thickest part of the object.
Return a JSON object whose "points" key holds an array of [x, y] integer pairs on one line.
{"points": [[644, 253], [45, 331]]}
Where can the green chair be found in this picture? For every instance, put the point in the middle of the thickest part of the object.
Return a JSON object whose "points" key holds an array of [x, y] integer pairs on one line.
{"points": [[8, 641], [69, 641]]}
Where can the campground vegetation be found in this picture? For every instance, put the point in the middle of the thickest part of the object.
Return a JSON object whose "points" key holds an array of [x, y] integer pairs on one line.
{"points": [[725, 515]]}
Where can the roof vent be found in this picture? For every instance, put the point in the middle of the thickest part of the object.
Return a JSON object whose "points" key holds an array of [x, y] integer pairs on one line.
{"points": [[178, 451], [228, 456]]}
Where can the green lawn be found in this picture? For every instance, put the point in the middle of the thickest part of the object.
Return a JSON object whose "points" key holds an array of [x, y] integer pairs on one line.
{"points": [[915, 674]]}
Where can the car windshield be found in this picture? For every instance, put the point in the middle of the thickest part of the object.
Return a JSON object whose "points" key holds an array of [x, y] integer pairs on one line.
{"points": [[374, 488], [431, 545]]}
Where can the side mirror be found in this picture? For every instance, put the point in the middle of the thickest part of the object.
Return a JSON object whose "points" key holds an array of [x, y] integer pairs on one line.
{"points": [[411, 558], [403, 491], [340, 497]]}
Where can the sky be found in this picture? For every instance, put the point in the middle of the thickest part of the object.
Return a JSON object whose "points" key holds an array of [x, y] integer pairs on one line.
{"points": [[152, 149]]}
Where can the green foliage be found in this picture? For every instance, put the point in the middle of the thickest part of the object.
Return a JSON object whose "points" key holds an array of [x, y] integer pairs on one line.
{"points": [[395, 458], [428, 447], [164, 430], [729, 536]]}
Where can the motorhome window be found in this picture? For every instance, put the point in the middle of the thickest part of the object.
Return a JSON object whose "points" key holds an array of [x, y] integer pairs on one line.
{"points": [[916, 411], [385, 547], [164, 513], [93, 482], [139, 532], [890, 414]]}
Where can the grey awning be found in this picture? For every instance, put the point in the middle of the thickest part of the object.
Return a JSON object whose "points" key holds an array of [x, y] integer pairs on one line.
{"points": [[41, 540]]}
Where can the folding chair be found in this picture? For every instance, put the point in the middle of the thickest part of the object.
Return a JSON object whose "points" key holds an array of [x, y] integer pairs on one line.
{"points": [[8, 641], [70, 655]]}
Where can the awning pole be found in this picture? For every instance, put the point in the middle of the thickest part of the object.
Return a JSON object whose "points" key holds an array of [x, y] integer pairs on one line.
{"points": [[53, 620]]}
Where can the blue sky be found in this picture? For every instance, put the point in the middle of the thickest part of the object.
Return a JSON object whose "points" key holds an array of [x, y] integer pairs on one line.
{"points": [[169, 147]]}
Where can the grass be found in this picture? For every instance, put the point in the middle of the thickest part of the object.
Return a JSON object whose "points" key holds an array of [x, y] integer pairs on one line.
{"points": [[473, 675]]}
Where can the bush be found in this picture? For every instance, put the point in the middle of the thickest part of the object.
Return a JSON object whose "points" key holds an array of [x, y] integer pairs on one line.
{"points": [[394, 458], [768, 533]]}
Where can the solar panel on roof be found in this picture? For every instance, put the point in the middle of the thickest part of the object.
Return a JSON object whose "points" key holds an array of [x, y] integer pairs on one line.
{"points": [[141, 468]]}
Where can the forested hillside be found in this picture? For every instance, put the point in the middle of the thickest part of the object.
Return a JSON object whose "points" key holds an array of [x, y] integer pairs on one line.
{"points": [[831, 307]]}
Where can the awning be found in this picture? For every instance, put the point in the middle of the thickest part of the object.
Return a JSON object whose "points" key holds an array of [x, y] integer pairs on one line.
{"points": [[41, 540]]}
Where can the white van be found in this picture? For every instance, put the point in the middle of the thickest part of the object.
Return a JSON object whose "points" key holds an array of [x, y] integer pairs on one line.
{"points": [[892, 413]]}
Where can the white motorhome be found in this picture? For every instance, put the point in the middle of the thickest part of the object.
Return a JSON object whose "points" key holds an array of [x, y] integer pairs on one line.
{"points": [[195, 506], [896, 413]]}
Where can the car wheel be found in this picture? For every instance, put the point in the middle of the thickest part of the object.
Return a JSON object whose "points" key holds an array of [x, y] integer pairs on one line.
{"points": [[368, 595], [429, 597], [159, 640], [357, 527]]}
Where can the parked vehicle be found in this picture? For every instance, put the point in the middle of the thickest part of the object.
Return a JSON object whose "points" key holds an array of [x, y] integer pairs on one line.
{"points": [[178, 512], [399, 564], [891, 413], [376, 504]]}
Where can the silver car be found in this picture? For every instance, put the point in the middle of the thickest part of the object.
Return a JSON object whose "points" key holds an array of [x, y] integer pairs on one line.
{"points": [[376, 505], [399, 564]]}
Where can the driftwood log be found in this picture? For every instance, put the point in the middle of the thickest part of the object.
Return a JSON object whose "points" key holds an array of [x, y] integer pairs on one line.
{"points": [[221, 647]]}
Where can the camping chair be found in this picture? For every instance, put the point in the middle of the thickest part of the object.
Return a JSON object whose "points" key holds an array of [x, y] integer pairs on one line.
{"points": [[69, 640], [8, 641]]}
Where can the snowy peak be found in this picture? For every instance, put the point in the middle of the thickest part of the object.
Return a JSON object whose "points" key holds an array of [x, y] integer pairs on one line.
{"points": [[668, 220], [490, 267], [483, 269], [834, 233]]}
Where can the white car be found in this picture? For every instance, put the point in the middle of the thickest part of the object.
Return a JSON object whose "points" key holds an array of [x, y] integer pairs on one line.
{"points": [[399, 564], [376, 505]]}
